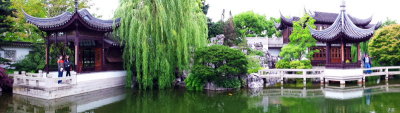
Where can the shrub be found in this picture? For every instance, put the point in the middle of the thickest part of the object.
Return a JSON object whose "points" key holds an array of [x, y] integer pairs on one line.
{"points": [[297, 64], [219, 64], [256, 52], [283, 64], [384, 46], [4, 61], [5, 81], [253, 64], [32, 62]]}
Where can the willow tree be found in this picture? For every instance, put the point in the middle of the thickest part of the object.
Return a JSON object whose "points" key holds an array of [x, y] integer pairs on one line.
{"points": [[159, 37]]}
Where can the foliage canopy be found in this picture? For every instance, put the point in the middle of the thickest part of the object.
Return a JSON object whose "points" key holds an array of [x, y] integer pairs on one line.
{"points": [[299, 46], [218, 64], [250, 24], [300, 40], [159, 38], [384, 46]]}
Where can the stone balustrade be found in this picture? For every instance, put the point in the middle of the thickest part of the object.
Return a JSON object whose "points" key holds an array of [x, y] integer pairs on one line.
{"points": [[43, 80]]}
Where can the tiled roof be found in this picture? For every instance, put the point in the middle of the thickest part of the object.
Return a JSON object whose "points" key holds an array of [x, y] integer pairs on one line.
{"points": [[343, 27], [17, 44], [325, 18], [64, 18]]}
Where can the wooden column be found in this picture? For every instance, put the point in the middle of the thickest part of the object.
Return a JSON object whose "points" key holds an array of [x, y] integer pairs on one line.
{"points": [[358, 52], [65, 43], [77, 65], [343, 51], [328, 53], [47, 53], [103, 54]]}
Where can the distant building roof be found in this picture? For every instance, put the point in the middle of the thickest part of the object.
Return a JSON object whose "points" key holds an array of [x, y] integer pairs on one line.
{"points": [[16, 44]]}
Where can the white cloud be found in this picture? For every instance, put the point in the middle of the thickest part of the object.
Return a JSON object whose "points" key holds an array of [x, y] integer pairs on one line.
{"points": [[105, 8]]}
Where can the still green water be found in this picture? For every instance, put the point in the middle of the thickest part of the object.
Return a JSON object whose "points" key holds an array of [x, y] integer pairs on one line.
{"points": [[378, 98]]}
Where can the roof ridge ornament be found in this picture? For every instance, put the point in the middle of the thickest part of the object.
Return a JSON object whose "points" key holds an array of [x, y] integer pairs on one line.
{"points": [[76, 6], [343, 6]]}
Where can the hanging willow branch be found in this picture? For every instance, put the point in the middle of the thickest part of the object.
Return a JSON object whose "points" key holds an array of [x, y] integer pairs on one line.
{"points": [[159, 37]]}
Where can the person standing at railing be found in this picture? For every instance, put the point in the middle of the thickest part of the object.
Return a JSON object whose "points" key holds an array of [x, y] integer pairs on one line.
{"points": [[67, 64], [367, 63], [60, 63]]}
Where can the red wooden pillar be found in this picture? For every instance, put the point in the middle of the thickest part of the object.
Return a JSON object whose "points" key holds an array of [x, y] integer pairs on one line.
{"points": [[328, 53], [343, 51]]}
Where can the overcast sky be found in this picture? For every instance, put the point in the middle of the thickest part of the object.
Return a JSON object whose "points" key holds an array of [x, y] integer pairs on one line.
{"points": [[379, 9]]}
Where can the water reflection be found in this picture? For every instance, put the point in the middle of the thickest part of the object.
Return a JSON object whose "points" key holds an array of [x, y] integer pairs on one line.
{"points": [[330, 99], [72, 104]]}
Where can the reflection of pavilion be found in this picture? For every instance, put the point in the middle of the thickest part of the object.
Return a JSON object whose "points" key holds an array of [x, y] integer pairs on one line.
{"points": [[72, 104], [343, 94], [86, 35], [273, 97]]}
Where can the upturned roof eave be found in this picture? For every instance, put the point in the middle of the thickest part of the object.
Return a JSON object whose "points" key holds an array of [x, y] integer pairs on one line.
{"points": [[64, 20]]}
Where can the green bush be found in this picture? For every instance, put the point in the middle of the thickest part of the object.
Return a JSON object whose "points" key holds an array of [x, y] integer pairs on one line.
{"points": [[218, 64], [297, 64], [256, 52], [253, 64], [283, 64], [228, 82], [34, 61], [384, 46], [4, 61]]}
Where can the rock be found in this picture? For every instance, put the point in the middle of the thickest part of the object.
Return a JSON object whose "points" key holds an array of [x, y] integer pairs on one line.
{"points": [[254, 81], [212, 86]]}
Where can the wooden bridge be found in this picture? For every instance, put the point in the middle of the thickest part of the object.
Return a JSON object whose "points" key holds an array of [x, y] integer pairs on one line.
{"points": [[327, 75]]}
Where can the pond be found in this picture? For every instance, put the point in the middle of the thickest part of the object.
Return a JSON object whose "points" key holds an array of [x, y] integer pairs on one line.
{"points": [[376, 98]]}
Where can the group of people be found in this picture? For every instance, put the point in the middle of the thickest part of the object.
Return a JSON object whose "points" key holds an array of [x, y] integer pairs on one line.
{"points": [[63, 65]]}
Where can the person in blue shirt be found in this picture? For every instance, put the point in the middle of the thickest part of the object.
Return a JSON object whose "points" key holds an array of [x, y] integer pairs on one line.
{"points": [[367, 62]]}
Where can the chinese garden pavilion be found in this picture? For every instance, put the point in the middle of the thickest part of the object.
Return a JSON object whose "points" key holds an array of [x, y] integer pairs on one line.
{"points": [[87, 36], [334, 33]]}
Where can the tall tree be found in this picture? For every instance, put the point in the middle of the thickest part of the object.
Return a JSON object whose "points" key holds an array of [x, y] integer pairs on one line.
{"points": [[5, 12], [384, 46], [388, 22], [250, 24], [300, 40], [215, 28], [56, 7], [160, 37], [231, 38]]}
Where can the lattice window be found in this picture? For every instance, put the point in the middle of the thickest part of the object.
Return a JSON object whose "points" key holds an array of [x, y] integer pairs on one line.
{"points": [[10, 54]]}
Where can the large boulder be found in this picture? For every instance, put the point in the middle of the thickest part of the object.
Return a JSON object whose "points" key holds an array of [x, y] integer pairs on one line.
{"points": [[254, 81]]}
